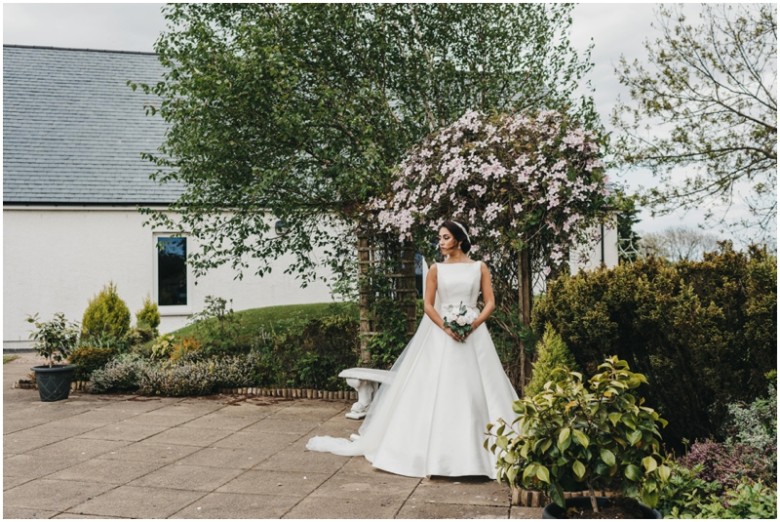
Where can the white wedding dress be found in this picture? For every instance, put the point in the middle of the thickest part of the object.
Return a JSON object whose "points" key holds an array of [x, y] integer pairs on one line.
{"points": [[431, 419]]}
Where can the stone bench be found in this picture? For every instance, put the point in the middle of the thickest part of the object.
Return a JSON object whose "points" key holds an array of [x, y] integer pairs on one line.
{"points": [[365, 381]]}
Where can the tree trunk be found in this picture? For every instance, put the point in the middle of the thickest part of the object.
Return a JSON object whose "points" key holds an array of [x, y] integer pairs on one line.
{"points": [[525, 300]]}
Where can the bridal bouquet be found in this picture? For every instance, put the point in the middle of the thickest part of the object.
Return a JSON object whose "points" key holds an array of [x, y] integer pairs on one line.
{"points": [[459, 318]]}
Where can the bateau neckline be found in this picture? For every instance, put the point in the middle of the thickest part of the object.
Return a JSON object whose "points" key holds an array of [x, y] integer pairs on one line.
{"points": [[472, 263]]}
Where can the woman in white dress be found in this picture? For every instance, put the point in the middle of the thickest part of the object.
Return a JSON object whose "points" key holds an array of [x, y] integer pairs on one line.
{"points": [[431, 418]]}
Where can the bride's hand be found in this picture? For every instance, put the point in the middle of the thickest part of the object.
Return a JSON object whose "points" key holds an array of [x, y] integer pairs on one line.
{"points": [[452, 334]]}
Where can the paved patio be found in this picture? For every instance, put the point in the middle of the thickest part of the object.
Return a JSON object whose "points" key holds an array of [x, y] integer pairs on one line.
{"points": [[125, 456]]}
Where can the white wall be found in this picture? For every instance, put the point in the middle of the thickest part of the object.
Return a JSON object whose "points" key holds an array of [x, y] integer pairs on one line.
{"points": [[589, 256], [56, 259]]}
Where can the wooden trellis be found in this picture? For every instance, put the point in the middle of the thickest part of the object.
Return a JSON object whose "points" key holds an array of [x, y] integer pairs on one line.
{"points": [[374, 254]]}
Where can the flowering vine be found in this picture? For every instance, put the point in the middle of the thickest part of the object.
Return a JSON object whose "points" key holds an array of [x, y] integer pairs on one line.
{"points": [[517, 180]]}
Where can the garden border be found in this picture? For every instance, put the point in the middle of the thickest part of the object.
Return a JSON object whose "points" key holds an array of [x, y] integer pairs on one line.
{"points": [[285, 393]]}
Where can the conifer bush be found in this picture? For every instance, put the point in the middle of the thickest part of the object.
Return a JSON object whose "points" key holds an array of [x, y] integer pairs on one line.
{"points": [[551, 353], [106, 320]]}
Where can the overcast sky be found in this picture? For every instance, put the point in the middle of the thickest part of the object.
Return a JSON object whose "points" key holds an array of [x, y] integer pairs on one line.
{"points": [[615, 29]]}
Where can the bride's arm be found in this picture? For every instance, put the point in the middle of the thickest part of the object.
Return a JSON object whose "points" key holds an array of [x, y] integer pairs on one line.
{"points": [[487, 296], [430, 297]]}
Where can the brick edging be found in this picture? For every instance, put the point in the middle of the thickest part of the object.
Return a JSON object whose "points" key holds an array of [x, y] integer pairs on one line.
{"points": [[287, 393]]}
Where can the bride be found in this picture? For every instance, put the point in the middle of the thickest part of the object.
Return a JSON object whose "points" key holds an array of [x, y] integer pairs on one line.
{"points": [[431, 418]]}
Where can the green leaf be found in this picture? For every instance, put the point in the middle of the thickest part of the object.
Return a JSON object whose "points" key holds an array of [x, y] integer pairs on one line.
{"points": [[581, 438], [614, 418], [633, 473], [529, 471], [543, 474], [564, 439], [502, 442], [608, 457], [649, 464], [634, 437], [665, 472], [579, 469]]}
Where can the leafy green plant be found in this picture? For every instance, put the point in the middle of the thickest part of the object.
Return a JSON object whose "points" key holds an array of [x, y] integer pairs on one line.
{"points": [[88, 359], [551, 354], [55, 339], [682, 495], [571, 434], [106, 320], [747, 500], [163, 346], [217, 326]]}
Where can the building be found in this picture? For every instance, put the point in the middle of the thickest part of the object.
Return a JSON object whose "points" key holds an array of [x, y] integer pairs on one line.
{"points": [[73, 180]]}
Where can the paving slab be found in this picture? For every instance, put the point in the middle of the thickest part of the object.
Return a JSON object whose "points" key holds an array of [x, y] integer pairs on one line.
{"points": [[284, 483], [189, 478], [460, 490], [126, 456], [137, 502], [126, 430], [231, 458], [426, 511], [52, 495], [107, 471], [293, 459], [237, 506], [354, 508], [258, 442], [11, 512], [146, 451]]}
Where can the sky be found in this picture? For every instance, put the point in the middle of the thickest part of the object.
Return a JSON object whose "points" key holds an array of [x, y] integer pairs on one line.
{"points": [[615, 29]]}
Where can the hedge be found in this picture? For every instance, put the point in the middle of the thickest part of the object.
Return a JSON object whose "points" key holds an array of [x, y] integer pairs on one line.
{"points": [[704, 333]]}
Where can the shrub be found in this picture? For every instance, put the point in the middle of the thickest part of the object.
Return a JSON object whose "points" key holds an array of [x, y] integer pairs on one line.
{"points": [[727, 465], [119, 375], [163, 347], [148, 316], [106, 320], [218, 327], [184, 347], [703, 333], [747, 500], [88, 359], [682, 496], [597, 435], [551, 354]]}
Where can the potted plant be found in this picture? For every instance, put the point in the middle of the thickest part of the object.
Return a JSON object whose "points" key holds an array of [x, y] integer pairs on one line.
{"points": [[574, 436], [54, 340]]}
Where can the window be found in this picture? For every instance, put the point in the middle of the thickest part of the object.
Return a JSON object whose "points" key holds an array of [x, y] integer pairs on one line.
{"points": [[171, 271]]}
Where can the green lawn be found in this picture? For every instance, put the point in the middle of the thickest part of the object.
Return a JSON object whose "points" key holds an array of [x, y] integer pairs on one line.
{"points": [[9, 358], [256, 319]]}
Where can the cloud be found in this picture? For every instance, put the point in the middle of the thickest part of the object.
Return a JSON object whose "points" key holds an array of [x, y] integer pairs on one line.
{"points": [[120, 27]]}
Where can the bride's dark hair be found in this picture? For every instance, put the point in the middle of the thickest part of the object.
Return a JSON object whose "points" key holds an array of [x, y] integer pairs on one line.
{"points": [[459, 234]]}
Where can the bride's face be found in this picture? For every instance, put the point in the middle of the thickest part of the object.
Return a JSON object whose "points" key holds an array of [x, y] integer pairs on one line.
{"points": [[447, 242]]}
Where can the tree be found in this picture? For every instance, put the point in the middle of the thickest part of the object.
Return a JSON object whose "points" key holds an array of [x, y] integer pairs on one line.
{"points": [[299, 112], [528, 185], [706, 110], [679, 244]]}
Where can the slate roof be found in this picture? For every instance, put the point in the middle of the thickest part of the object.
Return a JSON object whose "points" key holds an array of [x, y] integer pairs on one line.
{"points": [[73, 130]]}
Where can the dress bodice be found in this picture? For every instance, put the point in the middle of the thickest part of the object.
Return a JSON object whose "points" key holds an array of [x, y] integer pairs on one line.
{"points": [[458, 283]]}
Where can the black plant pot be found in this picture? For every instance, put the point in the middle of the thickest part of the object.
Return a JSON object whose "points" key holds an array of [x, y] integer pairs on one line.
{"points": [[54, 383], [555, 511]]}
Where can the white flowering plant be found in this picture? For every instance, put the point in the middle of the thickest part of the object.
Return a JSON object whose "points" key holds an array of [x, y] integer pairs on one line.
{"points": [[459, 318], [520, 181]]}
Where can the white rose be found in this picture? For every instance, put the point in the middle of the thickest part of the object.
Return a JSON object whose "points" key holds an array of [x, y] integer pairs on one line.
{"points": [[462, 321]]}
